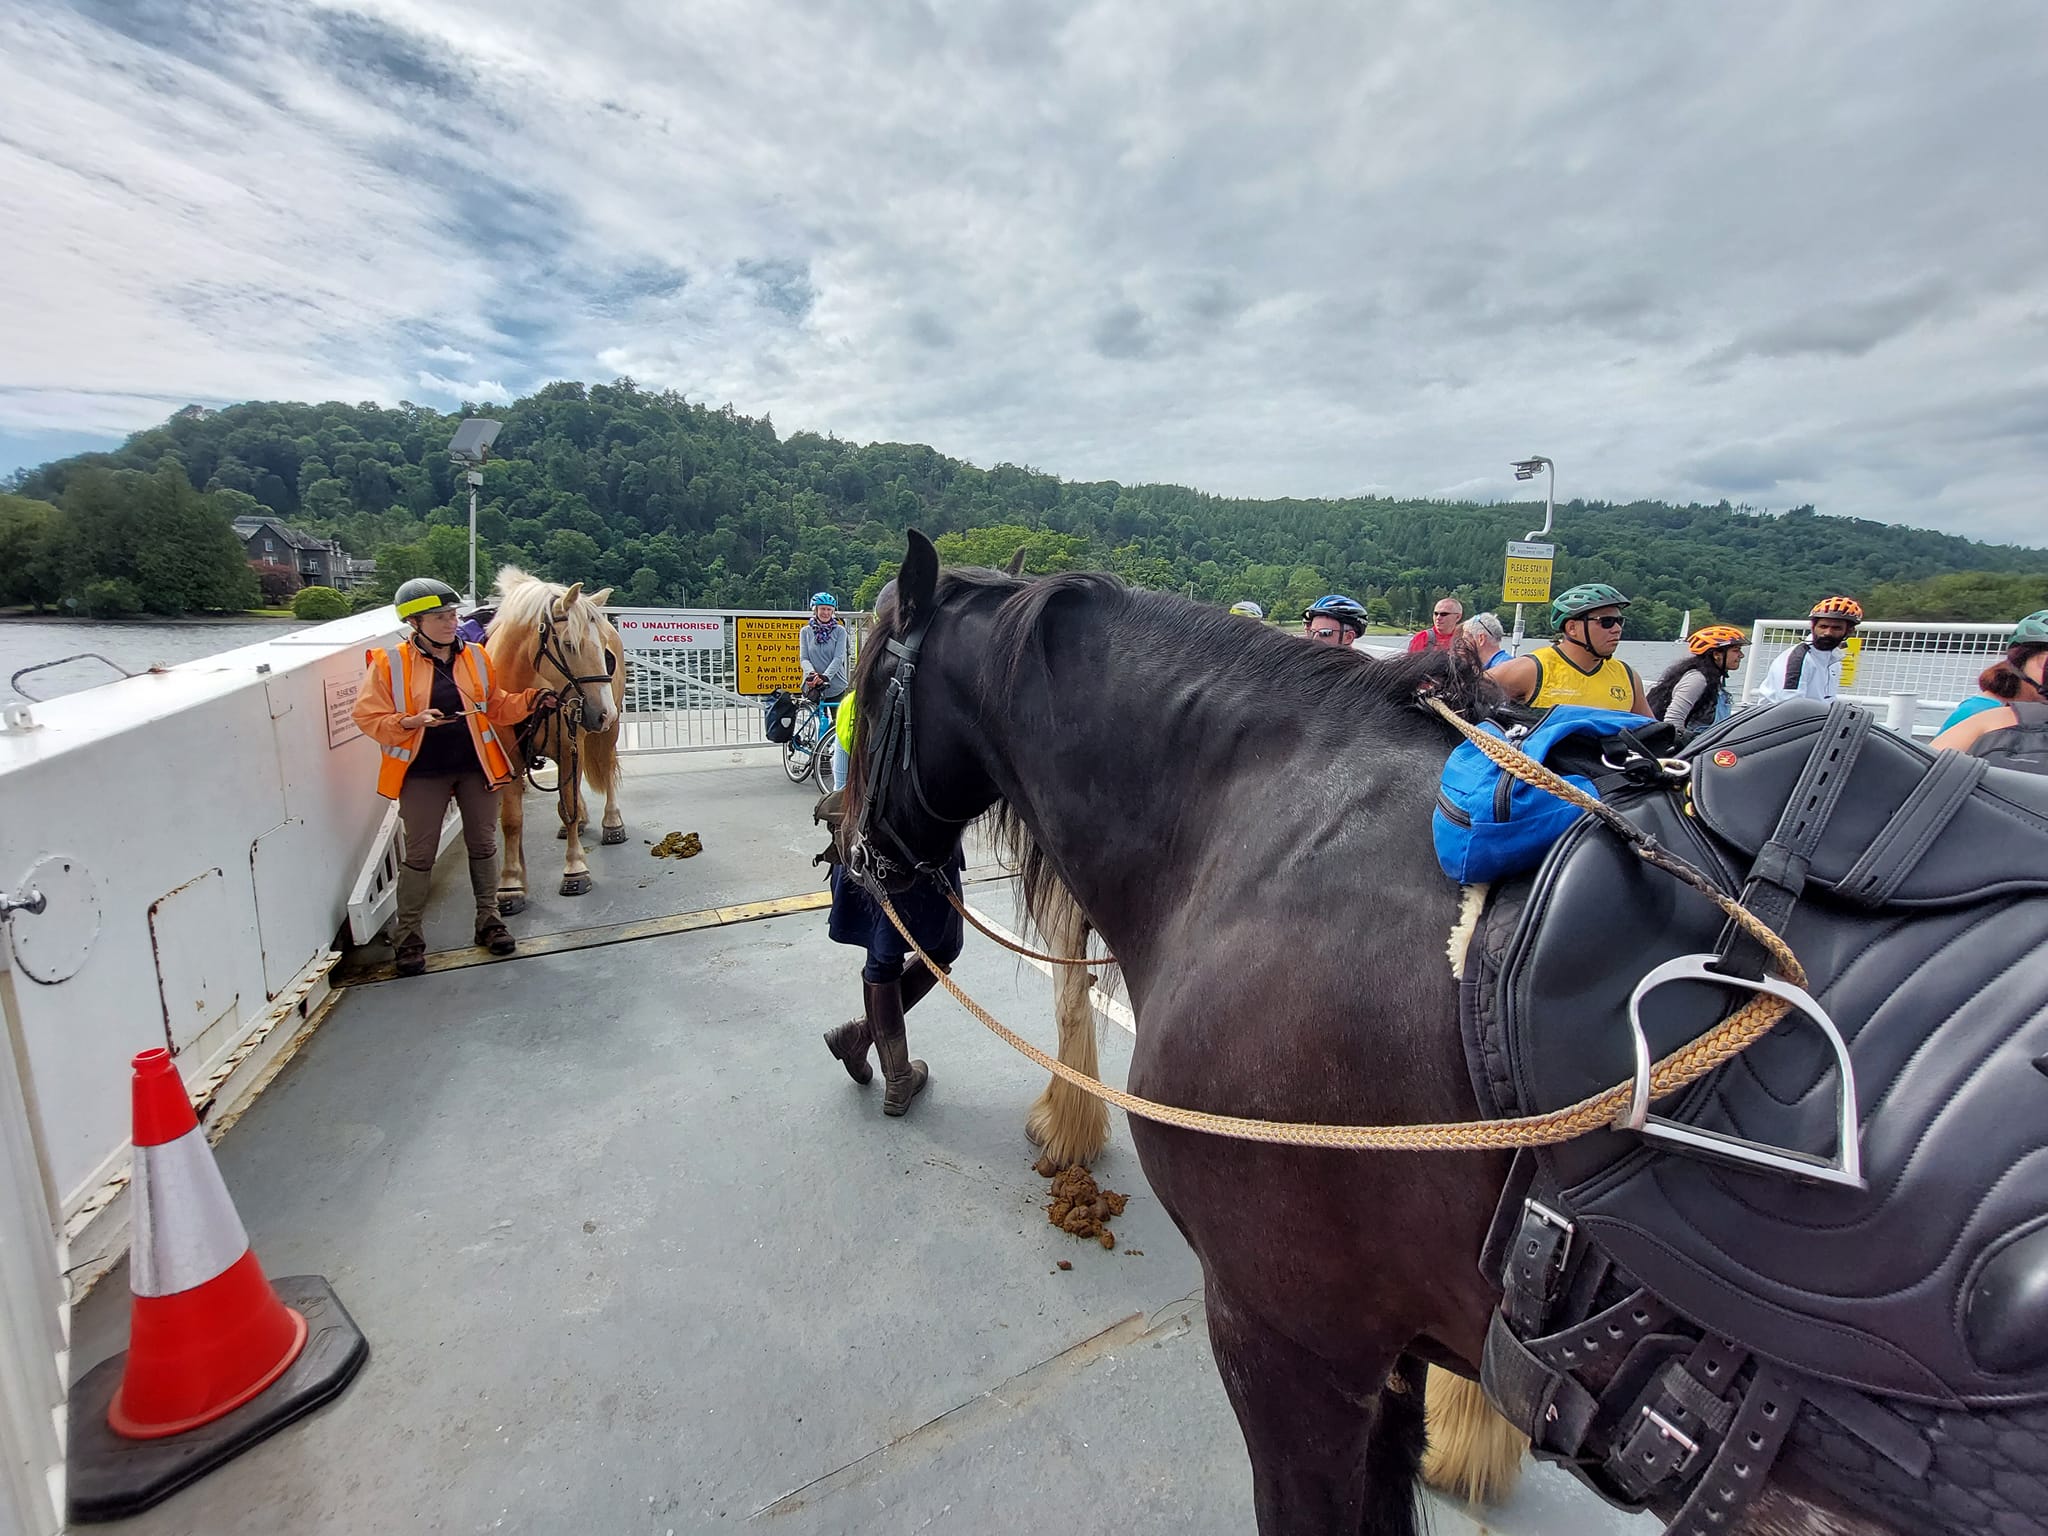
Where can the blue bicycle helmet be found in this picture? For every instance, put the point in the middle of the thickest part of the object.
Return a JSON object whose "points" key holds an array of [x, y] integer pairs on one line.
{"points": [[823, 600]]}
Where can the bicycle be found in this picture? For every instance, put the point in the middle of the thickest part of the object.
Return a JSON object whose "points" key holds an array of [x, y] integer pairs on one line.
{"points": [[816, 726]]}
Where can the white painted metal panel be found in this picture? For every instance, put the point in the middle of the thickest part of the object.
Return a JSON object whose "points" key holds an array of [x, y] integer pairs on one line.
{"points": [[149, 782], [190, 937]]}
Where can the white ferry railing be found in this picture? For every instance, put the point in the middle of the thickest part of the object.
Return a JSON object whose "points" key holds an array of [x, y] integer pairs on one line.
{"points": [[696, 678], [1912, 672]]}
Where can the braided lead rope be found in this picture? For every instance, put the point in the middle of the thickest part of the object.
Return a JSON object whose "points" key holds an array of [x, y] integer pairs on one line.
{"points": [[1600, 1111], [1015, 948]]}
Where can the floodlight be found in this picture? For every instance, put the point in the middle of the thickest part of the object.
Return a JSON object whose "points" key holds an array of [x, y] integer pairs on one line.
{"points": [[473, 440]]}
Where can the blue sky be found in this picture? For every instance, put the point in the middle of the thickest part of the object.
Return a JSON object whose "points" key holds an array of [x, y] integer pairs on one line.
{"points": [[1774, 253]]}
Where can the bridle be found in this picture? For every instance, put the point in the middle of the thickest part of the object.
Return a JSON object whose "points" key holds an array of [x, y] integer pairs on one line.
{"points": [[570, 711], [894, 748]]}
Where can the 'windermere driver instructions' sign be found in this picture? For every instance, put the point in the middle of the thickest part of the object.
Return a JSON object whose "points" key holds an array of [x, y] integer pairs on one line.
{"points": [[1528, 572], [766, 653]]}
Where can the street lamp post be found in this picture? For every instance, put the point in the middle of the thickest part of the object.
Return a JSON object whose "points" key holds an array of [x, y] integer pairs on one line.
{"points": [[472, 445], [1526, 469]]}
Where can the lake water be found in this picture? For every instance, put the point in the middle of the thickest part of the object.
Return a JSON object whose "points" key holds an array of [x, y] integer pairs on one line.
{"points": [[134, 645]]}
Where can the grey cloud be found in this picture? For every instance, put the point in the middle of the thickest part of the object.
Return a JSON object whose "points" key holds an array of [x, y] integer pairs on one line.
{"points": [[781, 285], [1846, 328], [1752, 466], [1123, 331], [1405, 243]]}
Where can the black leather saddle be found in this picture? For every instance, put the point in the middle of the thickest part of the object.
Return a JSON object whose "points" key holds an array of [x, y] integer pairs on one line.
{"points": [[1913, 887]]}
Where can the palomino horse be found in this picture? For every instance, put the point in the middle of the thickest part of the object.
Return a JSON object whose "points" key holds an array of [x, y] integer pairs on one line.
{"points": [[550, 636], [1274, 902]]}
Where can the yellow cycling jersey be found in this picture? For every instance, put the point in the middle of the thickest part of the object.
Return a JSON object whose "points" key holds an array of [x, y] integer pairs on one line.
{"points": [[1611, 685]]}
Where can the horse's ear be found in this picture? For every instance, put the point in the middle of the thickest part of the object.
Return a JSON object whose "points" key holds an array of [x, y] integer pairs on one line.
{"points": [[567, 600], [918, 581], [1016, 565], [602, 597]]}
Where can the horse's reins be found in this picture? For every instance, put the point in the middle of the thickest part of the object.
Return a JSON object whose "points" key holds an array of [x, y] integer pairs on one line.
{"points": [[1601, 1111]]}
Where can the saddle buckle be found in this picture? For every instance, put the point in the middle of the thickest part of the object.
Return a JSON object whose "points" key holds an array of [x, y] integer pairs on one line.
{"points": [[1845, 1168]]}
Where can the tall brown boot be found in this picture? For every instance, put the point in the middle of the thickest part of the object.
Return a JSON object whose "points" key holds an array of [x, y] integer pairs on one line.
{"points": [[491, 931], [414, 887], [850, 1041], [905, 1079]]}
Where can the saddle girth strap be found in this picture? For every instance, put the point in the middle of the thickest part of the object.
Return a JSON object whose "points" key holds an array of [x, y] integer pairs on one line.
{"points": [[1778, 874]]}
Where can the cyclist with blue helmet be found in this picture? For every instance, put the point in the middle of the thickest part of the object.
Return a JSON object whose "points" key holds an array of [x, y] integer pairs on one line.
{"points": [[824, 651], [1580, 666], [2013, 731], [1333, 619]]}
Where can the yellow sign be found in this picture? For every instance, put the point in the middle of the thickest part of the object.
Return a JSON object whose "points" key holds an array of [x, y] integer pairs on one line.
{"points": [[1851, 649], [1528, 572], [766, 653]]}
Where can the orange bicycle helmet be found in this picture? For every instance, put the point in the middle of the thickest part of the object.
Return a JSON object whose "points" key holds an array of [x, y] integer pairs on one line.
{"points": [[1715, 637], [1838, 608]]}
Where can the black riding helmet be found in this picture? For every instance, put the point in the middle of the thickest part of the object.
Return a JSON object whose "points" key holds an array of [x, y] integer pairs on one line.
{"points": [[423, 594]]}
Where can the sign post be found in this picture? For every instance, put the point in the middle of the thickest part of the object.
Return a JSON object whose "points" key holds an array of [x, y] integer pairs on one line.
{"points": [[1526, 578], [765, 653]]}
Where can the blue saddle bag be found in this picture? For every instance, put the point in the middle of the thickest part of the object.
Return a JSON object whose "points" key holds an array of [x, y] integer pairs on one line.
{"points": [[1489, 824]]}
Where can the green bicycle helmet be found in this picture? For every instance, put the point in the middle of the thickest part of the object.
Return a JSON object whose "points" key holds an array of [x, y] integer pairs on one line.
{"points": [[2032, 630], [423, 594], [1583, 598]]}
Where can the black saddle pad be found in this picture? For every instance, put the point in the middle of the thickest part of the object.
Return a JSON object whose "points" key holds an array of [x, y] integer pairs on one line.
{"points": [[1932, 1283]]}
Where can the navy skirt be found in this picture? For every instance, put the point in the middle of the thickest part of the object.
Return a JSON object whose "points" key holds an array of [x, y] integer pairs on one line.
{"points": [[856, 920]]}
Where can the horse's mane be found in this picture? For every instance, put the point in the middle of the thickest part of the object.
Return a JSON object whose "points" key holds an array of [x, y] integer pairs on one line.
{"points": [[1256, 661], [524, 598]]}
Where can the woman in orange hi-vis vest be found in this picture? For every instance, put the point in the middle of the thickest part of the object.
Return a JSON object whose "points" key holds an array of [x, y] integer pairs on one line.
{"points": [[412, 698]]}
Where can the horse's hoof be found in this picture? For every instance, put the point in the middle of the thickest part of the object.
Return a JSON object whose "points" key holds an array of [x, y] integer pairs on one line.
{"points": [[572, 885], [510, 902], [613, 835]]}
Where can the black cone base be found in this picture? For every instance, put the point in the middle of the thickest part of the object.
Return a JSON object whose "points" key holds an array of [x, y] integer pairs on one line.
{"points": [[110, 1477]]}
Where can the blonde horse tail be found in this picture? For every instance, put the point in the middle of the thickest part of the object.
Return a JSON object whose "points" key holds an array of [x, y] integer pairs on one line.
{"points": [[1070, 1125], [1474, 1454]]}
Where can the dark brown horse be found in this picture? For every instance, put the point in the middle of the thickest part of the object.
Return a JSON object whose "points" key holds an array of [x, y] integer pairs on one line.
{"points": [[1245, 820]]}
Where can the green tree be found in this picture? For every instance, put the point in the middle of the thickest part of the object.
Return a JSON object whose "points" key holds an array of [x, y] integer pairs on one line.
{"points": [[31, 552]]}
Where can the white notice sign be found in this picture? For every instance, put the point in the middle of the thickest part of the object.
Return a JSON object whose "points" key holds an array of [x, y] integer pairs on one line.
{"points": [[647, 630], [341, 703]]}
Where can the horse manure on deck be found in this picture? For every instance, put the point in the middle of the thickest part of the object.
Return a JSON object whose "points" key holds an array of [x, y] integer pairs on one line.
{"points": [[1081, 1206], [678, 845]]}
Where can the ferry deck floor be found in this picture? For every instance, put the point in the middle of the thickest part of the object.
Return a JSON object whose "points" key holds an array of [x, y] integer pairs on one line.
{"points": [[634, 1255]]}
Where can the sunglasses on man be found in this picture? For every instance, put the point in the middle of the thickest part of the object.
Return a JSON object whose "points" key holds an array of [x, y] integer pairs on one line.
{"points": [[1608, 621], [1325, 632]]}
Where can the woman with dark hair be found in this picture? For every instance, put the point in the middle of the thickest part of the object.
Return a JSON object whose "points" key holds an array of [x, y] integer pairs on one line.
{"points": [[2020, 678], [1693, 692]]}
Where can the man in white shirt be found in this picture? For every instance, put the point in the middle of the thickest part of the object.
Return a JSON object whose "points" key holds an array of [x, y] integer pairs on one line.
{"points": [[1812, 669]]}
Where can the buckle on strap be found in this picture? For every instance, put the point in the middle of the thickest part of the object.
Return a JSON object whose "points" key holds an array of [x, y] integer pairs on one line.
{"points": [[1535, 1269]]}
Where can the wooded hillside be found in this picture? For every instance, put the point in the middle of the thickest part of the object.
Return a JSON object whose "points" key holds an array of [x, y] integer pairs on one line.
{"points": [[674, 502]]}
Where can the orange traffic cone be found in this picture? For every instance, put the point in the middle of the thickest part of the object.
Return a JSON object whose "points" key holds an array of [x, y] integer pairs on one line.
{"points": [[206, 1331], [216, 1359]]}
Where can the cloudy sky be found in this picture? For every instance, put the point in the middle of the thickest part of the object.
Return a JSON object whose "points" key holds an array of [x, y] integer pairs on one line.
{"points": [[1776, 252]]}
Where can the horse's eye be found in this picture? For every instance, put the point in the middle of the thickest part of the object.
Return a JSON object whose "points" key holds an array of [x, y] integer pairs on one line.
{"points": [[611, 664]]}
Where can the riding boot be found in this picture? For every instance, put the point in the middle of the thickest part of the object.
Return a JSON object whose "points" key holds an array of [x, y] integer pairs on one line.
{"points": [[850, 1041], [849, 1044], [414, 886], [905, 1078], [491, 931]]}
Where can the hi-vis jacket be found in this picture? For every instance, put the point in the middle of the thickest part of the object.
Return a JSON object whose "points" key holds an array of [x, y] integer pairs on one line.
{"points": [[400, 681]]}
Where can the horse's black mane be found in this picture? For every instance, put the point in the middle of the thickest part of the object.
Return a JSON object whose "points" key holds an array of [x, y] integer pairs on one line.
{"points": [[1253, 660]]}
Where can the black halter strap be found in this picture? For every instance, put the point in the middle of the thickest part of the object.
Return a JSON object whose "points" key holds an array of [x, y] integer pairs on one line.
{"points": [[894, 752]]}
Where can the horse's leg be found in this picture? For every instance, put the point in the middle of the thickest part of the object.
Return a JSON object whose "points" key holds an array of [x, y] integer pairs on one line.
{"points": [[1331, 1449], [601, 772], [569, 801], [1072, 1126], [512, 862]]}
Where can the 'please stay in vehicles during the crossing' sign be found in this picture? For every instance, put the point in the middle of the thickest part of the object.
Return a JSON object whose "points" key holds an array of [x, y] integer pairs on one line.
{"points": [[1528, 572]]}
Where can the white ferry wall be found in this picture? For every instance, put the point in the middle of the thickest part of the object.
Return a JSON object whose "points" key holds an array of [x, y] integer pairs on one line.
{"points": [[217, 815]]}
